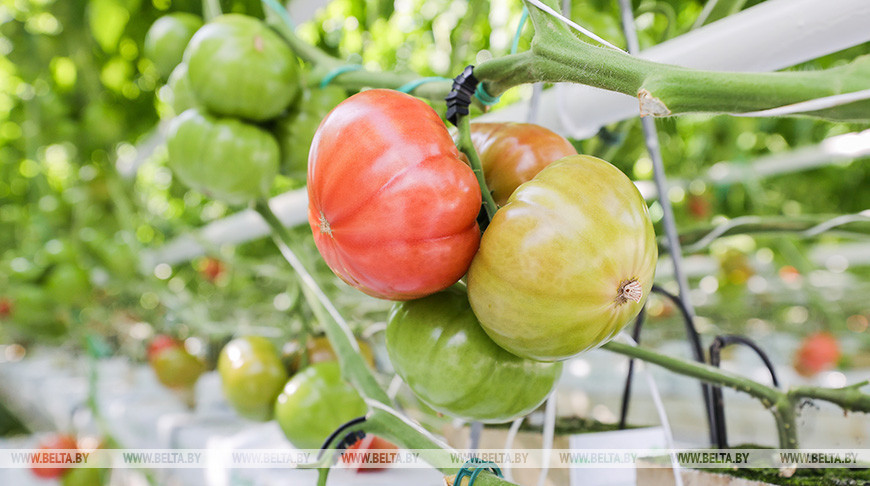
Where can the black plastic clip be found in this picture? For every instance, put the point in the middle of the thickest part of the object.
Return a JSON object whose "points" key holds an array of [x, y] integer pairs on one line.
{"points": [[459, 98]]}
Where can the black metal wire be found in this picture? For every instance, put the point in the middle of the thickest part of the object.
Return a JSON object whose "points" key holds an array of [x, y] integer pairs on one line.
{"points": [[341, 428], [698, 351], [716, 393], [626, 392]]}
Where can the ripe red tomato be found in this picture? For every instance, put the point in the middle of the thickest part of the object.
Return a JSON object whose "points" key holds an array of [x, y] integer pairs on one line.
{"points": [[376, 445], [57, 441], [818, 352], [513, 153], [392, 205]]}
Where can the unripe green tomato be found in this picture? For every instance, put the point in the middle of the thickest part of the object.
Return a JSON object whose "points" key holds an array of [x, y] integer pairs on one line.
{"points": [[566, 263], [176, 368], [252, 376], [314, 403], [224, 158], [296, 130], [177, 93], [239, 67], [83, 476], [167, 38], [68, 284], [439, 349]]}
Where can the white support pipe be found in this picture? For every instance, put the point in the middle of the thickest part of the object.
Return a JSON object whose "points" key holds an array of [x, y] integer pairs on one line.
{"points": [[290, 207], [772, 35], [838, 148]]}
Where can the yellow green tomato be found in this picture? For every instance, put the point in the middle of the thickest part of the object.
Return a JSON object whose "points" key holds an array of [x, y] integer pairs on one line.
{"points": [[252, 375], [566, 263], [174, 366], [239, 67], [167, 38], [314, 403], [224, 158], [296, 130], [438, 348]]}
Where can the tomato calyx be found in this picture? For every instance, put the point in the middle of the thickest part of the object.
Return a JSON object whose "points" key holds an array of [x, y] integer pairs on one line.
{"points": [[324, 226], [629, 289]]}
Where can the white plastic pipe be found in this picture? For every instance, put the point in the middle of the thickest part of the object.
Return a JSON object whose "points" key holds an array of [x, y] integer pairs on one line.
{"points": [[290, 207], [772, 35], [838, 148]]}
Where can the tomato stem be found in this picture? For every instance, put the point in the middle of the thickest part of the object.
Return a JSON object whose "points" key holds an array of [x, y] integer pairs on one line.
{"points": [[382, 419], [782, 404], [557, 55], [466, 146]]}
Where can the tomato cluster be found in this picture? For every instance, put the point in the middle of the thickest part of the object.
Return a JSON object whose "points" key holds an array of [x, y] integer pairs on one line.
{"points": [[238, 106], [303, 391], [566, 262]]}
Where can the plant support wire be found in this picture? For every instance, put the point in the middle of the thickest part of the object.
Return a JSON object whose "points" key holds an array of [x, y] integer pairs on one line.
{"points": [[668, 221]]}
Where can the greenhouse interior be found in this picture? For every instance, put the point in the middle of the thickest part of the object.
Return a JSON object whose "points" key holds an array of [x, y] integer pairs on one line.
{"points": [[582, 242]]}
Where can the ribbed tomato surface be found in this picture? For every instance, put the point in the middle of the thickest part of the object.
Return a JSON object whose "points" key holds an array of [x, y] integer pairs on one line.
{"points": [[392, 206]]}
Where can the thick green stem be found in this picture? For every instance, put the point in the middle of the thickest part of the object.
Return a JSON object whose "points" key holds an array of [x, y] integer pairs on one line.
{"points": [[467, 147], [323, 64], [771, 398], [211, 9], [557, 55], [848, 398]]}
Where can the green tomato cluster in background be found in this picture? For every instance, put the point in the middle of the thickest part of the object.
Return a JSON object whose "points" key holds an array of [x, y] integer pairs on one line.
{"points": [[308, 406]]}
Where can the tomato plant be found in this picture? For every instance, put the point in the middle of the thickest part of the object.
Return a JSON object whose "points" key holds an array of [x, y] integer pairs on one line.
{"points": [[222, 157], [393, 213], [817, 352], [437, 346], [252, 376], [314, 403], [512, 153], [173, 365], [238, 66], [566, 263], [167, 38], [55, 442]]}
